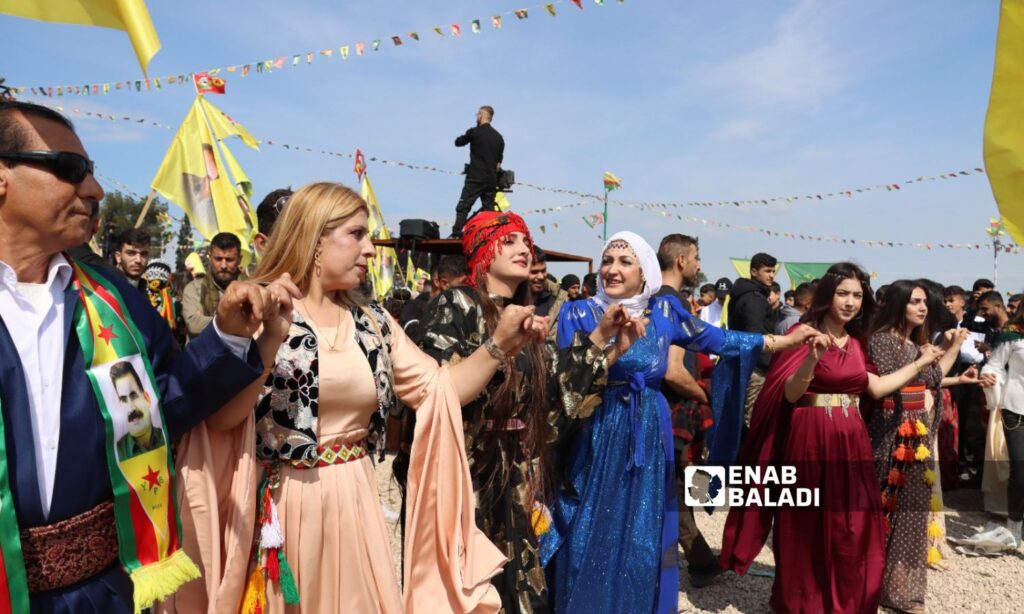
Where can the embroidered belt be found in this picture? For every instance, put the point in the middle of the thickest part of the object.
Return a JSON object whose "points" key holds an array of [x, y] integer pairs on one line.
{"points": [[913, 397], [334, 455], [830, 402], [515, 424], [70, 551]]}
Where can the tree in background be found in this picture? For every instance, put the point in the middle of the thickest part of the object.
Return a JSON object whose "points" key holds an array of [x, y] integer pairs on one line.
{"points": [[185, 245], [118, 212]]}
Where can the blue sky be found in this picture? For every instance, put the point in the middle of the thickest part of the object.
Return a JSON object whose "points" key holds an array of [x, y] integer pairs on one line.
{"points": [[685, 101]]}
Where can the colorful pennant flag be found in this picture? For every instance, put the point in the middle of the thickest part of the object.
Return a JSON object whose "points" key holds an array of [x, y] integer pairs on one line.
{"points": [[550, 8], [578, 3], [397, 41], [414, 36], [522, 13], [456, 30], [611, 182], [496, 21], [475, 26]]}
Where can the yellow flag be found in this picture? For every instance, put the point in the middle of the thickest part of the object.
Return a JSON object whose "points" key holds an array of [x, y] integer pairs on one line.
{"points": [[382, 268], [501, 202], [1004, 130], [742, 266], [195, 176], [128, 15]]}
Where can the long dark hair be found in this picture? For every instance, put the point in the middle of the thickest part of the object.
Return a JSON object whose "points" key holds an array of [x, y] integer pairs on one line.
{"points": [[893, 315], [940, 318], [503, 403], [826, 290]]}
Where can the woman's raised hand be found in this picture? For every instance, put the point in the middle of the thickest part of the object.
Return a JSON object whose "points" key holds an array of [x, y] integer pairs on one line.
{"points": [[931, 354], [517, 327]]}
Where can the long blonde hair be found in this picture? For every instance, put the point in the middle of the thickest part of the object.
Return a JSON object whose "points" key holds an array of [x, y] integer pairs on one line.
{"points": [[315, 210]]}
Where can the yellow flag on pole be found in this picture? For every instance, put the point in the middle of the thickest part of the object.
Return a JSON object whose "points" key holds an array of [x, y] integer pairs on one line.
{"points": [[382, 267], [197, 173], [128, 15], [1004, 130]]}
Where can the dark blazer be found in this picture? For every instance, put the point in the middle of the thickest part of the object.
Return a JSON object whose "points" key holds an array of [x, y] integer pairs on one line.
{"points": [[193, 384]]}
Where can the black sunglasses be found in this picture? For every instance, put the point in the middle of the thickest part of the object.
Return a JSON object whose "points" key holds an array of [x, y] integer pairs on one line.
{"points": [[65, 165]]}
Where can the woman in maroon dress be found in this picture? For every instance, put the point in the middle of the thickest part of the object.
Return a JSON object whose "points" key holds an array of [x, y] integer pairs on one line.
{"points": [[829, 558]]}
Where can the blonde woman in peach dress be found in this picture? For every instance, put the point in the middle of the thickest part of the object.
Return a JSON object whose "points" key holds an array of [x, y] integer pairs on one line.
{"points": [[281, 505]]}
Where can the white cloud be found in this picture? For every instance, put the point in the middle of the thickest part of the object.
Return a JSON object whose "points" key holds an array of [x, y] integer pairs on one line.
{"points": [[800, 65]]}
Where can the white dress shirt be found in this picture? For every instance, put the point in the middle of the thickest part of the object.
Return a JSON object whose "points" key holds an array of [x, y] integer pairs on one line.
{"points": [[34, 316], [1007, 364]]}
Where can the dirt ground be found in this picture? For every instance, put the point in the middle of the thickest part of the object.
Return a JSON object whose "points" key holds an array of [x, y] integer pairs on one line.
{"points": [[972, 584]]}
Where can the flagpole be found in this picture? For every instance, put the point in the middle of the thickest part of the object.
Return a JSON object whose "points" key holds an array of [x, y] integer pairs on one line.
{"points": [[145, 208]]}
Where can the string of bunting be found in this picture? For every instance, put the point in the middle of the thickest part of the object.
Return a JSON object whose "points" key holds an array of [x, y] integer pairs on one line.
{"points": [[593, 220], [1010, 249], [268, 66], [849, 193]]}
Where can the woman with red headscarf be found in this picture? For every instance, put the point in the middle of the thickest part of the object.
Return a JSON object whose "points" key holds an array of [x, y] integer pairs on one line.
{"points": [[532, 402]]}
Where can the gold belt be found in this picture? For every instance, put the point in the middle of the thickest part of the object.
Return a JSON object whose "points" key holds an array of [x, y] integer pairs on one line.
{"points": [[830, 402], [334, 455]]}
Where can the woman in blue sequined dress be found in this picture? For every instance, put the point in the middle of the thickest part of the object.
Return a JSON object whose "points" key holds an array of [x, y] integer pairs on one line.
{"points": [[612, 544]]}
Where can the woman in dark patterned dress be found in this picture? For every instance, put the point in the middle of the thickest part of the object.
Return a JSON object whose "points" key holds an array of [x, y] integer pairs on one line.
{"points": [[527, 408], [901, 428]]}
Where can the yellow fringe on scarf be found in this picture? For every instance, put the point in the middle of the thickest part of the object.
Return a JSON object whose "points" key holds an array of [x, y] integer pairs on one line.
{"points": [[160, 580], [255, 599], [935, 504], [922, 452], [929, 477], [934, 531], [933, 555]]}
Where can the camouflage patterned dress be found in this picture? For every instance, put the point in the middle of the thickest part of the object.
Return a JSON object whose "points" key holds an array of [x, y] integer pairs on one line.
{"points": [[454, 329]]}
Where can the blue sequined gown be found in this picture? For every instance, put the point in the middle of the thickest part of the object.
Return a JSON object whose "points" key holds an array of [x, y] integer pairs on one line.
{"points": [[612, 546]]}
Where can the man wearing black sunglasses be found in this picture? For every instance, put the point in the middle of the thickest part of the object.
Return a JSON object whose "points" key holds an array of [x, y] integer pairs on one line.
{"points": [[56, 440]]}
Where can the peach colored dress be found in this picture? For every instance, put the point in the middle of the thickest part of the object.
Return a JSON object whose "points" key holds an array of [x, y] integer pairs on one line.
{"points": [[336, 567], [335, 538]]}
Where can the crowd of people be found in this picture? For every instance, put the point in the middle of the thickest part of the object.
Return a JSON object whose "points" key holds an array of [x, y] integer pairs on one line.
{"points": [[205, 440]]}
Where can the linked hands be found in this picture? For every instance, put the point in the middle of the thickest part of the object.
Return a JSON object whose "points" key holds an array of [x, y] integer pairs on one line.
{"points": [[619, 328], [246, 306], [517, 327]]}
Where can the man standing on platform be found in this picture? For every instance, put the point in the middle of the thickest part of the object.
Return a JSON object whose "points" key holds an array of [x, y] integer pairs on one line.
{"points": [[486, 151], [75, 536]]}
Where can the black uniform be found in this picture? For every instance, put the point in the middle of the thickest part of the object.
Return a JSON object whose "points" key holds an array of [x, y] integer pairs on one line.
{"points": [[486, 150]]}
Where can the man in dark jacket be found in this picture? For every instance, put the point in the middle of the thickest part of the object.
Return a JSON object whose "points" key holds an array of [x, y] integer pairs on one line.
{"points": [[750, 311], [486, 151]]}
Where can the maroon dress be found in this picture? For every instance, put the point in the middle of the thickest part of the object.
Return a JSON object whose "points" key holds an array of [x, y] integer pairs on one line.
{"points": [[828, 558]]}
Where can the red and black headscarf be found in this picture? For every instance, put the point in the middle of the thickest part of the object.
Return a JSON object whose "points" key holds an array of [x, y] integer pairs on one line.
{"points": [[481, 240]]}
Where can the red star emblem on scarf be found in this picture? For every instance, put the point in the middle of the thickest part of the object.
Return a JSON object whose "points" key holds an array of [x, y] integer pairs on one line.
{"points": [[107, 333], [153, 477]]}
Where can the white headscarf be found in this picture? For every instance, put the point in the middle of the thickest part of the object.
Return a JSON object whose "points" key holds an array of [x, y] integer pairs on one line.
{"points": [[648, 260]]}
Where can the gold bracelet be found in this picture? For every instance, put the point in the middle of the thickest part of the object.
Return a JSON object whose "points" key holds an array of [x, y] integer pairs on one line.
{"points": [[769, 343]]}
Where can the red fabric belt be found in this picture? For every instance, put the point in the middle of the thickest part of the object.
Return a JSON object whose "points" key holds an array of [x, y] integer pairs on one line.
{"points": [[70, 551]]}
